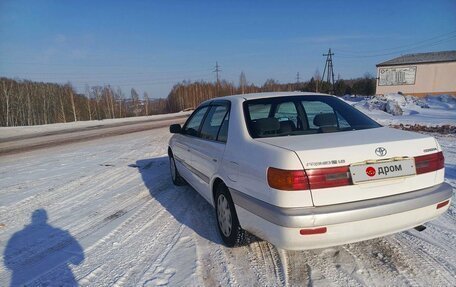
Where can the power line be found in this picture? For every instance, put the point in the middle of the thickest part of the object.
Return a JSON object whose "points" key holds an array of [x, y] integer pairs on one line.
{"points": [[409, 46], [425, 45], [92, 78]]}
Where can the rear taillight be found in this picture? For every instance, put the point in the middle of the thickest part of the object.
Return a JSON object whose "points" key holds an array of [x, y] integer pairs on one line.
{"points": [[428, 163], [287, 179], [309, 179], [329, 177]]}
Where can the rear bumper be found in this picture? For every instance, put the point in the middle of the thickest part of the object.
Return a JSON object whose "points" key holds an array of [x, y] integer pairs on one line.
{"points": [[348, 222]]}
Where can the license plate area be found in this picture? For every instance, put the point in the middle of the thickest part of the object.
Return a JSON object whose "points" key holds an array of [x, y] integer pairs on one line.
{"points": [[365, 172]]}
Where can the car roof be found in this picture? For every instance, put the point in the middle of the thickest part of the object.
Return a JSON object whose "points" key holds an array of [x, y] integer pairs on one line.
{"points": [[254, 96]]}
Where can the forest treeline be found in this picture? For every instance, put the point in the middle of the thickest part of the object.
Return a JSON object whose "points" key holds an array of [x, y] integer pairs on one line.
{"points": [[25, 103], [188, 95]]}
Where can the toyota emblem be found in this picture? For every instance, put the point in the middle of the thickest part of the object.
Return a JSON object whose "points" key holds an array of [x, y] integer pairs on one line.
{"points": [[380, 151]]}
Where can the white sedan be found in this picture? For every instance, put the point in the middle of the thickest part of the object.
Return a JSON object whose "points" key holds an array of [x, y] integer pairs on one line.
{"points": [[305, 170]]}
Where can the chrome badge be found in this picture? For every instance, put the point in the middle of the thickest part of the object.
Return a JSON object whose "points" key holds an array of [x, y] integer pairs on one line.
{"points": [[380, 151]]}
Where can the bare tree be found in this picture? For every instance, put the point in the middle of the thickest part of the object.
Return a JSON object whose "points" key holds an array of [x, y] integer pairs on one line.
{"points": [[146, 104], [87, 94], [135, 102], [6, 88], [69, 91], [317, 78], [242, 82]]}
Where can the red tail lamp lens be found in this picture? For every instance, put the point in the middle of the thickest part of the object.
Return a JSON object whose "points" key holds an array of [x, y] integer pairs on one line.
{"points": [[429, 163], [329, 177], [313, 179]]}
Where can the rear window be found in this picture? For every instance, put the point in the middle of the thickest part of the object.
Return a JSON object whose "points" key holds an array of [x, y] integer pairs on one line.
{"points": [[302, 115]]}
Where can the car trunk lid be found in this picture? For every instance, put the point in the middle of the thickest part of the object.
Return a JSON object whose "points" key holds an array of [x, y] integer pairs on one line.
{"points": [[361, 151]]}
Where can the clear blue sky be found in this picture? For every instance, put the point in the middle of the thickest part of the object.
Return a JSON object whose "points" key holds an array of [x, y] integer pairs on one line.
{"points": [[150, 45]]}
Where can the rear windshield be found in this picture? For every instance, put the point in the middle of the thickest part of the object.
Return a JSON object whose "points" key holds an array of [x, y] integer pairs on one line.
{"points": [[302, 115]]}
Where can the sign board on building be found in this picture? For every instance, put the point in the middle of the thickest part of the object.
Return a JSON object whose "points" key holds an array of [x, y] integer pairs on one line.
{"points": [[397, 76]]}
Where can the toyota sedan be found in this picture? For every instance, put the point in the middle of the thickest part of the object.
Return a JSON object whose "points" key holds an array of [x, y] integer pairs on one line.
{"points": [[306, 170]]}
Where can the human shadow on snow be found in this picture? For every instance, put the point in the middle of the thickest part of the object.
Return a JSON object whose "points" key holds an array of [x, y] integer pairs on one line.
{"points": [[39, 248]]}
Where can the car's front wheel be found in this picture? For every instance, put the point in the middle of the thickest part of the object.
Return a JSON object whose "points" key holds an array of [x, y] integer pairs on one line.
{"points": [[227, 221], [175, 176]]}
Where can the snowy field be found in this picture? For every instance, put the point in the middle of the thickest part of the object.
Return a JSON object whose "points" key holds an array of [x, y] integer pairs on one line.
{"points": [[105, 213]]}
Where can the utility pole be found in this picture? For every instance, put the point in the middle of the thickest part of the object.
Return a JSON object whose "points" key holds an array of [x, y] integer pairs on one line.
{"points": [[297, 78], [217, 71], [217, 76], [330, 68]]}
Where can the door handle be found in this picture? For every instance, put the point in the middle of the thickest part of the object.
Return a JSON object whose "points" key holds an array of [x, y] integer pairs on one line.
{"points": [[214, 160]]}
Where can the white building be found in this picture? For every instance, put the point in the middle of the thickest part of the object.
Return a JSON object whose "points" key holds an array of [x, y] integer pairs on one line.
{"points": [[418, 74]]}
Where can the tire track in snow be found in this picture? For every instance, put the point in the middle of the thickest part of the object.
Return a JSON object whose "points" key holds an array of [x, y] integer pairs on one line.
{"points": [[125, 236], [159, 254], [297, 269], [256, 260], [319, 266], [213, 266], [95, 267], [145, 251], [94, 224], [268, 253], [55, 196], [378, 257], [430, 255]]}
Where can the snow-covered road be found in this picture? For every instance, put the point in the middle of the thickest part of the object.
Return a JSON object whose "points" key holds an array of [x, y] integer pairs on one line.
{"points": [[104, 212]]}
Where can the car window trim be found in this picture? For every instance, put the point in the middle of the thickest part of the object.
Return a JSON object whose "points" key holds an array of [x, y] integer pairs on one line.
{"points": [[220, 128], [209, 106], [278, 99], [228, 110], [201, 123], [212, 107]]}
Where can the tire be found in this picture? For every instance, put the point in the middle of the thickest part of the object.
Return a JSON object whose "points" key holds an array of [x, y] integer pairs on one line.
{"points": [[227, 221], [175, 176]]}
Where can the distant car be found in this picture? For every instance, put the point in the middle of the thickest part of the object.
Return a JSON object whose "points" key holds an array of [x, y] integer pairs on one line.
{"points": [[305, 170]]}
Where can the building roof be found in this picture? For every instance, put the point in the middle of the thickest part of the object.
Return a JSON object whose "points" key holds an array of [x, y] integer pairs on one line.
{"points": [[421, 58]]}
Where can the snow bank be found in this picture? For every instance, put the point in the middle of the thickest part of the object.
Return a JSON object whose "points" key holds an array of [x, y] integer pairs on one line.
{"points": [[395, 109], [6, 132]]}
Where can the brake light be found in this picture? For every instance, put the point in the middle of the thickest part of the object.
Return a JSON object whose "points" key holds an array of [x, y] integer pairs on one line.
{"points": [[429, 163], [287, 179], [309, 179], [329, 177]]}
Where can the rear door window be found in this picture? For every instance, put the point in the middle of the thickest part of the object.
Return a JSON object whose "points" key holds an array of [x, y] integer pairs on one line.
{"points": [[213, 122], [223, 133]]}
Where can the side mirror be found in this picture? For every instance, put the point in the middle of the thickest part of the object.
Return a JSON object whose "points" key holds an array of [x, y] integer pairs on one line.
{"points": [[175, 129]]}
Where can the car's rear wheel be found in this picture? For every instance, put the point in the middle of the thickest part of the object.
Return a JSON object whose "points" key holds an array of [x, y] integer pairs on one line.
{"points": [[175, 176], [227, 221]]}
